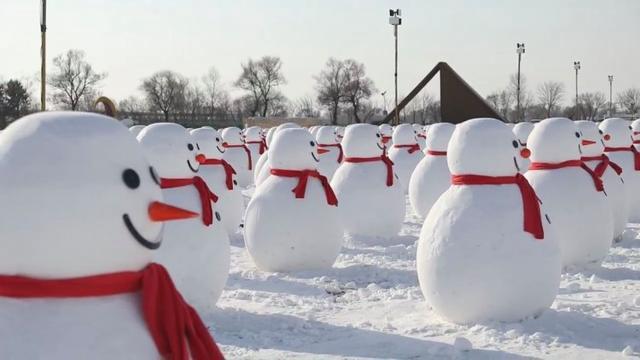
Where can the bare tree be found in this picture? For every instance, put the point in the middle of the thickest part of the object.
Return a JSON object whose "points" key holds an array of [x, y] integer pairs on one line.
{"points": [[261, 78], [549, 95], [214, 92], [629, 100], [593, 105], [330, 85], [73, 78], [165, 91], [358, 87], [194, 100], [131, 104], [502, 102], [305, 107]]}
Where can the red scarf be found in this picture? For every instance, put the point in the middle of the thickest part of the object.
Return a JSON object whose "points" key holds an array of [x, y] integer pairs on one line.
{"points": [[636, 154], [410, 148], [228, 170], [636, 141], [437, 153], [387, 162], [206, 195], [604, 163], [597, 181], [530, 202], [386, 139], [174, 325], [303, 178], [263, 145], [338, 145], [246, 149]]}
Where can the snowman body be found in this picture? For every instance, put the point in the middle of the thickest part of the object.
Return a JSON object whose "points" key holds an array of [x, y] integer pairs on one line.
{"points": [[405, 159]]}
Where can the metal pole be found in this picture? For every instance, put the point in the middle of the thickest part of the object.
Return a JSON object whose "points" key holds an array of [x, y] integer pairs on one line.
{"points": [[43, 54], [395, 74], [610, 95], [577, 108], [518, 90]]}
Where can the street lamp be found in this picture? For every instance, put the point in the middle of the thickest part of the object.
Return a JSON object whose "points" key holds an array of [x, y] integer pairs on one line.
{"points": [[395, 20], [43, 54], [576, 66], [610, 95], [519, 51], [384, 102]]}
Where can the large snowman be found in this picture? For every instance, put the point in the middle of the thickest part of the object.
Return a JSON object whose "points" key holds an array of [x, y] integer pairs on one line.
{"points": [[486, 250], [292, 222], [196, 252], [78, 282], [572, 193], [405, 153]]}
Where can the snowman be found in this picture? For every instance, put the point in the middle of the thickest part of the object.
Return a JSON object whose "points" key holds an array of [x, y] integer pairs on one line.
{"points": [[386, 131], [431, 177], [78, 282], [263, 158], [572, 193], [291, 222], [330, 151], [265, 168], [522, 131], [608, 171], [219, 176], [635, 133], [421, 136], [238, 155], [371, 197], [405, 153], [255, 142], [196, 252], [486, 250], [135, 129]]}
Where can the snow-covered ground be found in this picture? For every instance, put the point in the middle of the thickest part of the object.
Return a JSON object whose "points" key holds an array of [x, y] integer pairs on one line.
{"points": [[370, 306]]}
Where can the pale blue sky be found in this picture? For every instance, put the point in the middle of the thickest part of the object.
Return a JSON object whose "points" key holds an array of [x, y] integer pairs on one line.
{"points": [[131, 39]]}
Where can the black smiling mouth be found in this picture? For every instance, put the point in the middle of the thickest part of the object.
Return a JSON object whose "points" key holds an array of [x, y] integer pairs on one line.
{"points": [[515, 162], [221, 151], [191, 167], [314, 157], [379, 147], [580, 149], [151, 245]]}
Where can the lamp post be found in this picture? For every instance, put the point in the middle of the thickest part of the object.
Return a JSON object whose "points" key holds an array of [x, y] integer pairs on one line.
{"points": [[43, 54], [519, 51], [610, 95], [576, 66], [395, 20]]}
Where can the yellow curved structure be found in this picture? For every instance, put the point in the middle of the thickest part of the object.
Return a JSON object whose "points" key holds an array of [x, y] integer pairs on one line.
{"points": [[109, 106]]}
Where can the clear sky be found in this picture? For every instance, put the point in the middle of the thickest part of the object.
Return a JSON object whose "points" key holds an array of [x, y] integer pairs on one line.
{"points": [[130, 39]]}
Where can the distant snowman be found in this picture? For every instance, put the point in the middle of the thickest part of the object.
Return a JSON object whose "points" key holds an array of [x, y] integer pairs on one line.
{"points": [[571, 192], [486, 251], [291, 223], [421, 136], [618, 142], [265, 168], [238, 155], [330, 151], [196, 252], [220, 177], [431, 177], [405, 153], [78, 281], [522, 131], [371, 198], [635, 133], [610, 173], [255, 142], [263, 158], [386, 131], [135, 129]]}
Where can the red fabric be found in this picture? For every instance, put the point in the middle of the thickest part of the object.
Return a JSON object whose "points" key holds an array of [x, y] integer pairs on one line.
{"points": [[387, 162], [303, 177], [636, 141], [437, 153], [206, 195], [604, 163], [636, 154], [174, 325], [530, 202], [410, 148], [597, 181], [228, 170], [263, 145], [246, 149], [338, 145], [386, 139], [422, 136]]}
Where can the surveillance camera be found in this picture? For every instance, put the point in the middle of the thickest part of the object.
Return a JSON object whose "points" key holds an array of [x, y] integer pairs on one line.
{"points": [[398, 12]]}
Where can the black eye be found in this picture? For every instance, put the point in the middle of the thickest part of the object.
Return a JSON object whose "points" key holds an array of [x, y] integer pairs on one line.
{"points": [[218, 217], [154, 175], [312, 143], [131, 178], [600, 131], [218, 139], [630, 128], [197, 146], [190, 147], [577, 134], [235, 182], [514, 143], [378, 134]]}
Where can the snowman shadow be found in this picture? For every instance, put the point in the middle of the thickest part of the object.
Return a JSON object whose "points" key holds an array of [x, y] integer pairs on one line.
{"points": [[275, 284], [617, 274], [257, 332]]}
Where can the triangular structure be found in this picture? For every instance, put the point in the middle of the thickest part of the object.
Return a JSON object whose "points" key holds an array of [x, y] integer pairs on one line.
{"points": [[458, 100]]}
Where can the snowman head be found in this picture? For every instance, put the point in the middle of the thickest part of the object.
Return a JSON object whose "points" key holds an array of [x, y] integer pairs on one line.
{"points": [[522, 131], [209, 141], [232, 136], [171, 150], [418, 128], [253, 133], [439, 136], [326, 135], [270, 134], [555, 140], [362, 140], [404, 134], [482, 146], [78, 197], [592, 143], [135, 129], [635, 129], [386, 129], [293, 149], [616, 132], [340, 133]]}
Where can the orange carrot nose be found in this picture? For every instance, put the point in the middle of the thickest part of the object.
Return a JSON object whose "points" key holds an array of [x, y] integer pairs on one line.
{"points": [[201, 158], [525, 153], [587, 142], [164, 212], [606, 137], [322, 151]]}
